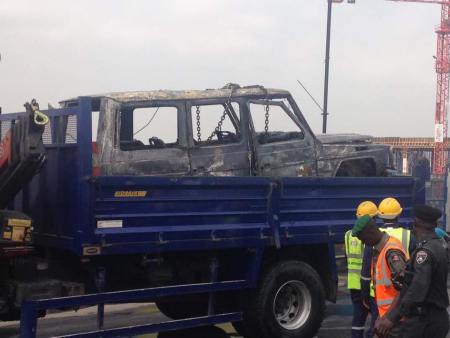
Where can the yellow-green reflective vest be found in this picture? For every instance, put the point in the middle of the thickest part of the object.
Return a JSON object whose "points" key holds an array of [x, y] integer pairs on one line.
{"points": [[354, 250], [402, 234]]}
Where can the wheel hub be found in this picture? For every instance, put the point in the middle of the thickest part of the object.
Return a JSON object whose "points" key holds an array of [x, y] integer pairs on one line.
{"points": [[292, 305]]}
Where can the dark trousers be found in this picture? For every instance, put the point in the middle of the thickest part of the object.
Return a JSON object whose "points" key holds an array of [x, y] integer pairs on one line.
{"points": [[434, 324], [373, 317], [360, 313]]}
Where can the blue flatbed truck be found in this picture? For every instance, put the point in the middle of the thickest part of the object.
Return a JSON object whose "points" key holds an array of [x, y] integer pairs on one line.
{"points": [[256, 251]]}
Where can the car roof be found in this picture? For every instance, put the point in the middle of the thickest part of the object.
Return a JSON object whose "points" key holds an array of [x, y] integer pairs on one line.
{"points": [[230, 90]]}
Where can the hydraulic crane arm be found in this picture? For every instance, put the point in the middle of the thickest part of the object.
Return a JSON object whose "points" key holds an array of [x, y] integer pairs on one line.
{"points": [[22, 152]]}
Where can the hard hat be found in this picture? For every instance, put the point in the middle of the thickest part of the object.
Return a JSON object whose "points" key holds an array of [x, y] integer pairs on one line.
{"points": [[366, 208], [389, 208]]}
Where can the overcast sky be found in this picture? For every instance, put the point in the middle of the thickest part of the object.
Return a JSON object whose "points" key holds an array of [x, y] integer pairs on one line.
{"points": [[382, 78]]}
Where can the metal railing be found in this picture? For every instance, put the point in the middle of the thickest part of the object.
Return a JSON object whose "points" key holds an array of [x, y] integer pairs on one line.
{"points": [[31, 308]]}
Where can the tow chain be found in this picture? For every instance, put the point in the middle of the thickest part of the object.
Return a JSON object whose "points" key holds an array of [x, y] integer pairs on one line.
{"points": [[199, 132], [219, 125], [266, 121]]}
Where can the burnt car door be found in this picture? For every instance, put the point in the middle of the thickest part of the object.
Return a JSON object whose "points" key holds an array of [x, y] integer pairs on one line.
{"points": [[148, 138], [218, 141], [281, 140]]}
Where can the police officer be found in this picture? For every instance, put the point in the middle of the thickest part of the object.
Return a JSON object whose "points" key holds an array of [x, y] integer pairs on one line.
{"points": [[423, 301], [354, 252]]}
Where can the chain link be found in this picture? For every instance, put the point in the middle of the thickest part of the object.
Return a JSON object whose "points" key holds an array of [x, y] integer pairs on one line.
{"points": [[219, 125], [266, 121], [199, 131]]}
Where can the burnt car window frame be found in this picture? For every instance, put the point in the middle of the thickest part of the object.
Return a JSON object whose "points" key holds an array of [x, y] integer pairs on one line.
{"points": [[191, 104], [290, 112], [180, 115]]}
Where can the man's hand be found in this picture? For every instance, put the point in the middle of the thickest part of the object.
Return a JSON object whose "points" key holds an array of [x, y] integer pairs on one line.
{"points": [[382, 326]]}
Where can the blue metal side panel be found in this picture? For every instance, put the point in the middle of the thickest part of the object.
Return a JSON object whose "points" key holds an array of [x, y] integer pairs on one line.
{"points": [[314, 208], [184, 213], [222, 212], [53, 196]]}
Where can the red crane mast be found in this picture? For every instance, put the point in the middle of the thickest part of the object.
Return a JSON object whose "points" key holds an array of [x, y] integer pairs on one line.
{"points": [[442, 88]]}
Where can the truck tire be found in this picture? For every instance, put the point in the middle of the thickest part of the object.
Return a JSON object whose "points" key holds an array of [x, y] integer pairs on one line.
{"points": [[288, 303]]}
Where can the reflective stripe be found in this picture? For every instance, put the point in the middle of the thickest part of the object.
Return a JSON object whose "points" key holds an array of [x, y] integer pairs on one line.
{"points": [[384, 280], [387, 301], [405, 239], [357, 271], [359, 328], [356, 256], [366, 278]]}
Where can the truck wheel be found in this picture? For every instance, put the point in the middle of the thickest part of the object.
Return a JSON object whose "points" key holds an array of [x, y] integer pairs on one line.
{"points": [[289, 303]]}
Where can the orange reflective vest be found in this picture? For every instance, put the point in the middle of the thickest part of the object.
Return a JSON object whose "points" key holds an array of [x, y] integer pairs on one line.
{"points": [[385, 291]]}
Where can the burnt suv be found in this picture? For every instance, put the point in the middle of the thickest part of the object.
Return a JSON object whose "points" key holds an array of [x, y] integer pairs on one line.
{"points": [[232, 131]]}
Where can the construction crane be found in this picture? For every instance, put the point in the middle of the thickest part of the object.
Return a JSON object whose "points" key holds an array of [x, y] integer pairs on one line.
{"points": [[440, 154], [442, 90]]}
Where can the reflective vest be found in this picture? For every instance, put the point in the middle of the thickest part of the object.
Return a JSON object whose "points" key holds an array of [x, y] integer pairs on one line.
{"points": [[385, 291], [354, 250], [402, 234]]}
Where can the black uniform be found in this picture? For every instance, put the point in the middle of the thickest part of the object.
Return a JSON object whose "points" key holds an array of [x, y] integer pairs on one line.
{"points": [[424, 299]]}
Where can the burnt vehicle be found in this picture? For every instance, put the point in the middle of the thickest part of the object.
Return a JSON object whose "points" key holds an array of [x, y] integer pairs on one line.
{"points": [[232, 131]]}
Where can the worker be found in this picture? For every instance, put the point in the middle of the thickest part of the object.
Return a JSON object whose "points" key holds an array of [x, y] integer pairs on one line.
{"points": [[423, 301], [388, 261], [354, 252], [389, 210]]}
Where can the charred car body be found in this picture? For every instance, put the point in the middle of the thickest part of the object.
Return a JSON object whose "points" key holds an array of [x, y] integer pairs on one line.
{"points": [[233, 131]]}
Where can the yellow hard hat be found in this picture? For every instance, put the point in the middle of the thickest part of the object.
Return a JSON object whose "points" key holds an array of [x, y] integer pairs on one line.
{"points": [[389, 208], [366, 208]]}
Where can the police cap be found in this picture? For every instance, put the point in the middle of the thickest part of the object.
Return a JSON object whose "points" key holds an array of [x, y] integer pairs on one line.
{"points": [[427, 213]]}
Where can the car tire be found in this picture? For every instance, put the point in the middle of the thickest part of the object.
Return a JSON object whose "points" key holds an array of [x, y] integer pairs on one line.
{"points": [[288, 303]]}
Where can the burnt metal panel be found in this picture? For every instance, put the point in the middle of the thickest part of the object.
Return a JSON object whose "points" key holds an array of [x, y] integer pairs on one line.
{"points": [[170, 161], [226, 159], [295, 157]]}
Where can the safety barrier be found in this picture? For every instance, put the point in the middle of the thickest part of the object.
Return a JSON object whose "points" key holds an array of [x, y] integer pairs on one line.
{"points": [[31, 308]]}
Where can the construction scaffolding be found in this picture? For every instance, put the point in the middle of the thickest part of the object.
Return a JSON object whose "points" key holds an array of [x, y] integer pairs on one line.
{"points": [[412, 154], [408, 151]]}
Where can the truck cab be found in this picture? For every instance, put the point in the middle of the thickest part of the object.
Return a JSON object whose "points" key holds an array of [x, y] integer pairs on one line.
{"points": [[231, 131]]}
